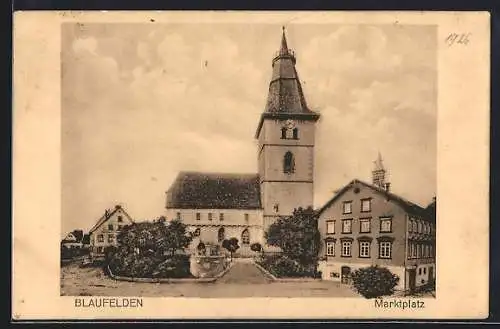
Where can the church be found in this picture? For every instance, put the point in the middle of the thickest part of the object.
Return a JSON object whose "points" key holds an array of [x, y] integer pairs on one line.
{"points": [[220, 205], [363, 224]]}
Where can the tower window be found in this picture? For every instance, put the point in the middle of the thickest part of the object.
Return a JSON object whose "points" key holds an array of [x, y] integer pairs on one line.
{"points": [[295, 133], [283, 133], [288, 163]]}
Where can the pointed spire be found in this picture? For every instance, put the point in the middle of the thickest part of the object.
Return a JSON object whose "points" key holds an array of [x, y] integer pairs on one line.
{"points": [[285, 89], [284, 46], [378, 163], [285, 98]]}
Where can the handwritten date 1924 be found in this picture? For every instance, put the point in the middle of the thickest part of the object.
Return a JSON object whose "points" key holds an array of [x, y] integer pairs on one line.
{"points": [[457, 38]]}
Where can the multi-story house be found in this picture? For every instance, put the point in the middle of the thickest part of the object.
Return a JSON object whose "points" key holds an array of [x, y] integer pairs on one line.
{"points": [[365, 224], [106, 230]]}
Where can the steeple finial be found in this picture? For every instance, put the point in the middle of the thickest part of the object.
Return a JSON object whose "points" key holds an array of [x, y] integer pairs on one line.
{"points": [[378, 163], [284, 46]]}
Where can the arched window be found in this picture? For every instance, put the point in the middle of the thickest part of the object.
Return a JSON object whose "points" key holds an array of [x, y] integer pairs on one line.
{"points": [[245, 237], [221, 234], [283, 133], [295, 133], [288, 163]]}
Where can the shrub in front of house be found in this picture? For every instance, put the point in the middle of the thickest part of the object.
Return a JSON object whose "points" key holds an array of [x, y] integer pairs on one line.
{"points": [[284, 267], [173, 267], [256, 247], [374, 281]]}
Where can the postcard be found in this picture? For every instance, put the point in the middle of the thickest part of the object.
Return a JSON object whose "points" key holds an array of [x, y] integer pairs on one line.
{"points": [[250, 165]]}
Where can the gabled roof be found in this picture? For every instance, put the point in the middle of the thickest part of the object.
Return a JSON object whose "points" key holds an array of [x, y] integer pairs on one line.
{"points": [[70, 238], [108, 215], [408, 206], [198, 190]]}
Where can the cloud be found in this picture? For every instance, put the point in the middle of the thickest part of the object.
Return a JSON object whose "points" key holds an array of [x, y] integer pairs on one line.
{"points": [[88, 44], [151, 103], [89, 76]]}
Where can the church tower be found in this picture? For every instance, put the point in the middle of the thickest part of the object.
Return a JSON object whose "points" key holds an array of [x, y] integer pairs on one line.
{"points": [[378, 173], [286, 141]]}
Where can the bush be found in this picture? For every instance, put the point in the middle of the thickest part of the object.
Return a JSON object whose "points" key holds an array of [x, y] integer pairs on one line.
{"points": [[282, 266], [173, 267], [124, 263], [109, 252], [256, 247], [374, 281], [68, 253]]}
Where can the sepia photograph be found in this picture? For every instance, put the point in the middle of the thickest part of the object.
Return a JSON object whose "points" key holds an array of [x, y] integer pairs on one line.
{"points": [[265, 160], [229, 165]]}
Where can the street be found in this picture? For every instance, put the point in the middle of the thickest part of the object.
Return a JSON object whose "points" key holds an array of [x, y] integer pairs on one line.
{"points": [[243, 280]]}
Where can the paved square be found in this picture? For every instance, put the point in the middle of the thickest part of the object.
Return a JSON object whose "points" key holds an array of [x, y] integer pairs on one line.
{"points": [[243, 280]]}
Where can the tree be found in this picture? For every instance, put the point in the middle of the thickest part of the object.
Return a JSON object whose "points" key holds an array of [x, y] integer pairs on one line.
{"points": [[176, 237], [374, 281], [155, 237], [297, 236], [231, 245], [149, 249], [201, 248], [86, 239], [78, 234]]}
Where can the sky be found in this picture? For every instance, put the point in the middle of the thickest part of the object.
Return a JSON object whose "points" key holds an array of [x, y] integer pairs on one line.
{"points": [[141, 102]]}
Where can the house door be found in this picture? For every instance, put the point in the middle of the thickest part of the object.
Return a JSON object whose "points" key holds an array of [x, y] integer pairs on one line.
{"points": [[431, 274], [345, 274], [412, 276]]}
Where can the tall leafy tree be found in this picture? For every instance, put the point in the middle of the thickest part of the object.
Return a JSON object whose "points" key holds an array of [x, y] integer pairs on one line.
{"points": [[155, 237], [297, 236], [176, 237]]}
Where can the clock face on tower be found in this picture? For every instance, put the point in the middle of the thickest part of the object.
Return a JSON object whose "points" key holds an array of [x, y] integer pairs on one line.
{"points": [[289, 124]]}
